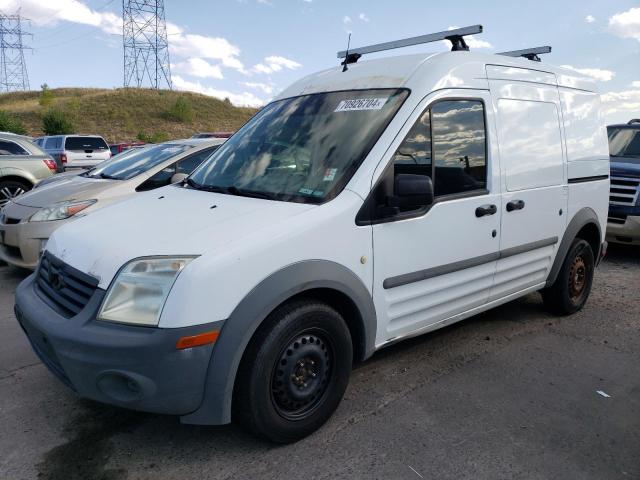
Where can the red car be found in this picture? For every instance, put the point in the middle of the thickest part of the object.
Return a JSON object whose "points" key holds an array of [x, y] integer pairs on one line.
{"points": [[121, 147]]}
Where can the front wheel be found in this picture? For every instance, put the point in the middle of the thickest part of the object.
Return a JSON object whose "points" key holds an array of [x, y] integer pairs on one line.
{"points": [[294, 372], [570, 291], [10, 189]]}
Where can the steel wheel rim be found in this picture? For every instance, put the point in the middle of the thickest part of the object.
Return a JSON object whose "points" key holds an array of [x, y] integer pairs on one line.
{"points": [[301, 374], [577, 277], [9, 193]]}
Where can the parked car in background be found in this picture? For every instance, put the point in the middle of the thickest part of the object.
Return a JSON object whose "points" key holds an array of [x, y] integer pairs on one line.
{"points": [[212, 135], [27, 222], [623, 225], [117, 148], [22, 165], [71, 151], [368, 203]]}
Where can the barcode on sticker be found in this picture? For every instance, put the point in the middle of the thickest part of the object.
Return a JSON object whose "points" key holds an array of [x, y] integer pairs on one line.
{"points": [[361, 104]]}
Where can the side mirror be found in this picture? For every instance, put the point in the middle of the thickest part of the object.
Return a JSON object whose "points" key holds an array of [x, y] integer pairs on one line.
{"points": [[178, 177], [413, 190]]}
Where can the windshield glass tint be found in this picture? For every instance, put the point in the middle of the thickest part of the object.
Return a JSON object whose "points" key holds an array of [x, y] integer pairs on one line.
{"points": [[134, 162], [624, 142], [302, 149], [85, 143]]}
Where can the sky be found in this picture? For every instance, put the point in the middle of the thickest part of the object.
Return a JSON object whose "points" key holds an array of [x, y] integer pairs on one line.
{"points": [[249, 50]]}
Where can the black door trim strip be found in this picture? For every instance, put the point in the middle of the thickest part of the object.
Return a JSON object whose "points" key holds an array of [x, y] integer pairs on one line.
{"points": [[593, 178], [427, 273]]}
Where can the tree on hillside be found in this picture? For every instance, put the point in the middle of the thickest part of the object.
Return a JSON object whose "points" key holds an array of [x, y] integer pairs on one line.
{"points": [[56, 122], [8, 123], [46, 96]]}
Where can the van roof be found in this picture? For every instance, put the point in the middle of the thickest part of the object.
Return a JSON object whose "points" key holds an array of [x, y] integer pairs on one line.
{"points": [[425, 73]]}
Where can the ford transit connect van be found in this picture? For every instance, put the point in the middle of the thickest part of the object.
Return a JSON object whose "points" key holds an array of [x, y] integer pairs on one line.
{"points": [[368, 203]]}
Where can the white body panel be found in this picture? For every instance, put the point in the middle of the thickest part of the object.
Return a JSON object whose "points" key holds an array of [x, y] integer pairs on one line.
{"points": [[535, 139]]}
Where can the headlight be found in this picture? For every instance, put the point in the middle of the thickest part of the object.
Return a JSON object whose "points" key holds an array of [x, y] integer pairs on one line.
{"points": [[139, 291], [60, 211]]}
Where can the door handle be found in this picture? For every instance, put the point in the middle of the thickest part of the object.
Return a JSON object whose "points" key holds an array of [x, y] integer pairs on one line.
{"points": [[515, 205], [486, 210]]}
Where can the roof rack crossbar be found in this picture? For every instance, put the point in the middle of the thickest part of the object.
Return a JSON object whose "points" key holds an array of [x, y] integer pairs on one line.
{"points": [[528, 53], [455, 36]]}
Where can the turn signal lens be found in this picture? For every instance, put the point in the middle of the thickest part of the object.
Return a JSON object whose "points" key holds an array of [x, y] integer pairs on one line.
{"points": [[197, 340]]}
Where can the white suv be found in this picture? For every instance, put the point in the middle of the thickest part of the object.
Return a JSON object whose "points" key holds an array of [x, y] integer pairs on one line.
{"points": [[71, 151], [366, 204]]}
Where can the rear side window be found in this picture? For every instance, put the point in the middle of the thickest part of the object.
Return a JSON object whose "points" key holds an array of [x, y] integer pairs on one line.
{"points": [[85, 143], [447, 143], [53, 143], [11, 148]]}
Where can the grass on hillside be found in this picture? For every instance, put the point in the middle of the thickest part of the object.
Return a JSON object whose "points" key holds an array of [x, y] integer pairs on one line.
{"points": [[120, 114]]}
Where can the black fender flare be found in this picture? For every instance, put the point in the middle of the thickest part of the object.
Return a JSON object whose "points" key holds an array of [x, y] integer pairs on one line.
{"points": [[584, 216], [245, 319]]}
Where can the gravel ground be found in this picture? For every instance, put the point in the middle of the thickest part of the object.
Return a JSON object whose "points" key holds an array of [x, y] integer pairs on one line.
{"points": [[511, 393]]}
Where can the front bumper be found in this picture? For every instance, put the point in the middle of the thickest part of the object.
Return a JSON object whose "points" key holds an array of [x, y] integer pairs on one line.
{"points": [[624, 230], [133, 367], [21, 242]]}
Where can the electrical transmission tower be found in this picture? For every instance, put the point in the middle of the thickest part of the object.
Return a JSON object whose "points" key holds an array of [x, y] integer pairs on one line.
{"points": [[13, 69], [146, 50]]}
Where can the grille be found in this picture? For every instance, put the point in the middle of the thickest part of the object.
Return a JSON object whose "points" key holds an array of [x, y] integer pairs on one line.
{"points": [[68, 290], [624, 191]]}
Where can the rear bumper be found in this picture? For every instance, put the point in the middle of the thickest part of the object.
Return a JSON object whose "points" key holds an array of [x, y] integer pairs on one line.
{"points": [[133, 367], [624, 230]]}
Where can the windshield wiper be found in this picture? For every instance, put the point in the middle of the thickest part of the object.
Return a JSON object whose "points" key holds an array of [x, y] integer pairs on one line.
{"points": [[232, 190], [241, 192]]}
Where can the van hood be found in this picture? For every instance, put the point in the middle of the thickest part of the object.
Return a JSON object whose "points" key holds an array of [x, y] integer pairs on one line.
{"points": [[70, 188], [621, 166], [168, 221]]}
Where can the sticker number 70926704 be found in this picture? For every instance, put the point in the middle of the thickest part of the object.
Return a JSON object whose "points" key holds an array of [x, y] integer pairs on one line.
{"points": [[361, 104]]}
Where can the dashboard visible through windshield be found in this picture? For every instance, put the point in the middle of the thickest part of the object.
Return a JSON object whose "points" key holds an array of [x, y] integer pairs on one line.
{"points": [[302, 149]]}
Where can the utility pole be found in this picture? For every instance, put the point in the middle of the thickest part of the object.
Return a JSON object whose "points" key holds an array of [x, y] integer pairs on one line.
{"points": [[146, 49], [13, 69]]}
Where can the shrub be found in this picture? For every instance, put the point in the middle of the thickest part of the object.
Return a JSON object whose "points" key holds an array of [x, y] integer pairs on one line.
{"points": [[8, 123], [56, 122], [46, 96], [181, 111], [157, 137]]}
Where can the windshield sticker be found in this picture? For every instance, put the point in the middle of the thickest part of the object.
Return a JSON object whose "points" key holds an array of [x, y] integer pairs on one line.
{"points": [[361, 104], [329, 174], [318, 193], [306, 191]]}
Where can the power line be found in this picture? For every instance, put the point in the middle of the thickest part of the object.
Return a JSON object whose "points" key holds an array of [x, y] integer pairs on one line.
{"points": [[13, 69], [146, 49]]}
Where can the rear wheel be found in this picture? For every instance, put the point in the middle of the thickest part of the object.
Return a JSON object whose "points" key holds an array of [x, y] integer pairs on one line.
{"points": [[570, 291], [294, 372], [10, 189]]}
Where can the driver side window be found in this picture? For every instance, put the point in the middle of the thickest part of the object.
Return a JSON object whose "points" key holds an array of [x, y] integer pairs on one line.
{"points": [[447, 144]]}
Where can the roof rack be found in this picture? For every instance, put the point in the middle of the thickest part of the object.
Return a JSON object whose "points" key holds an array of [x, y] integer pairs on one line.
{"points": [[455, 36], [528, 53], [633, 120]]}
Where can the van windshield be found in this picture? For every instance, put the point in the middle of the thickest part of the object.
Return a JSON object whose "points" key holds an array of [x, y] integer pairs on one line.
{"points": [[303, 149], [624, 142], [134, 162]]}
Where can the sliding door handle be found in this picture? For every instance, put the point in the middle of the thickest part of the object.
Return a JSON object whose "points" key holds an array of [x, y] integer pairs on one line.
{"points": [[515, 205], [486, 210]]}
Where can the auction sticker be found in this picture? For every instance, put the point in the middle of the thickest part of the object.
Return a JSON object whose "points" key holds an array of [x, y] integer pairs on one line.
{"points": [[361, 104]]}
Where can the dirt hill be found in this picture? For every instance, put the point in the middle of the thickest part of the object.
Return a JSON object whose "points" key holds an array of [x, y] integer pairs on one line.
{"points": [[121, 114]]}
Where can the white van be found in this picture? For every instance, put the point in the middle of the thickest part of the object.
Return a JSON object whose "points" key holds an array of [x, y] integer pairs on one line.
{"points": [[368, 203]]}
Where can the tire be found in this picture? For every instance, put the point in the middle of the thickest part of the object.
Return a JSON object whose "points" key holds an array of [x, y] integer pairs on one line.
{"points": [[294, 372], [570, 291], [10, 189]]}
